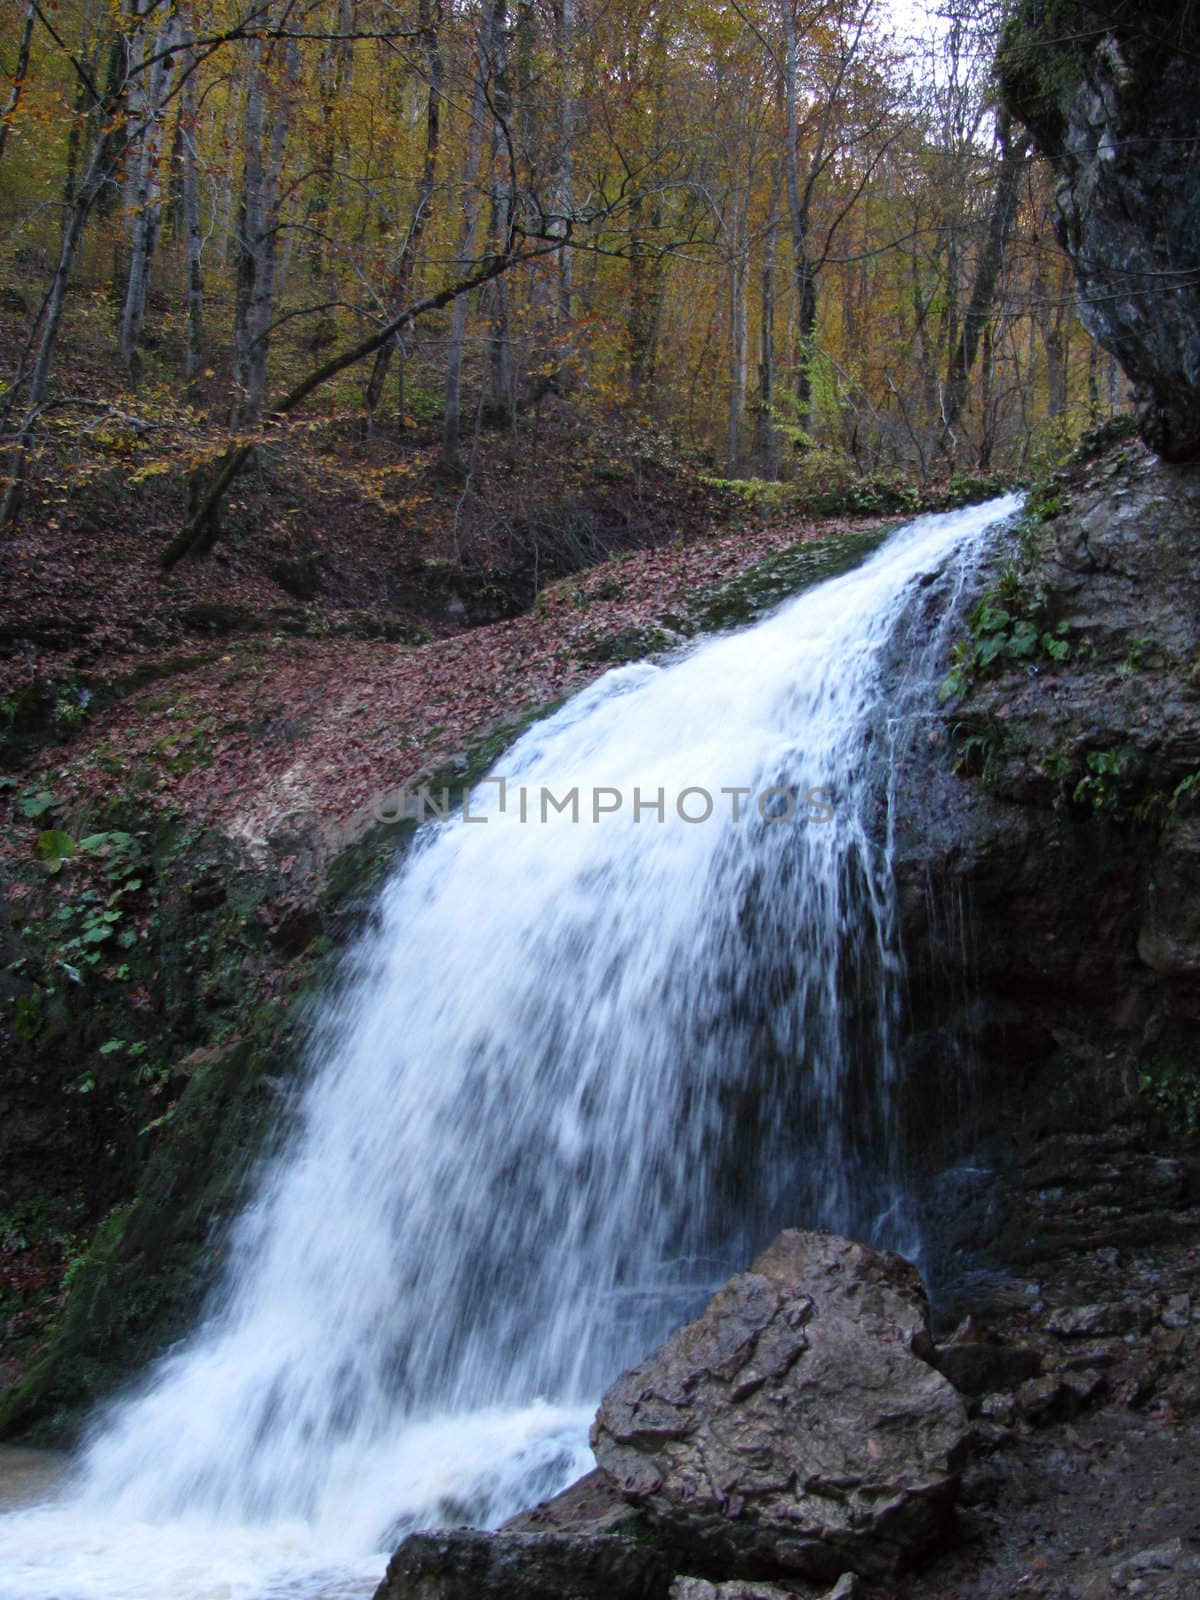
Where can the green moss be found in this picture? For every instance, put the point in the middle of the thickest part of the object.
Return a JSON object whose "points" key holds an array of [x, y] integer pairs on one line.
{"points": [[783, 574]]}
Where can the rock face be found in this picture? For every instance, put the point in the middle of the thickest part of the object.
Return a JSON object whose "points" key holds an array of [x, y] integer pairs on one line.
{"points": [[795, 1427], [1112, 96], [1048, 841], [465, 1565]]}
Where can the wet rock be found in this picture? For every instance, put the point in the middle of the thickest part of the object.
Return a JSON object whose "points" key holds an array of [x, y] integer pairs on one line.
{"points": [[1043, 1400], [1109, 93], [979, 1368], [592, 1504], [1164, 1571], [702, 1589], [1000, 1408], [1091, 1322], [466, 1565], [797, 1426], [1096, 1586], [848, 1587], [1178, 1311], [1084, 1387]]}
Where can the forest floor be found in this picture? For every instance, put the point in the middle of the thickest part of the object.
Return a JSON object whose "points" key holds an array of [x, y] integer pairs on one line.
{"points": [[250, 717]]}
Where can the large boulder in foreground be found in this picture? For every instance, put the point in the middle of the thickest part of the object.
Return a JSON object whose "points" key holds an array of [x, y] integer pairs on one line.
{"points": [[797, 1426], [463, 1564]]}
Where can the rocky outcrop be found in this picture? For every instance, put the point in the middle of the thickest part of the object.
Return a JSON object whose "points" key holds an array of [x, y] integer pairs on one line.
{"points": [[797, 1427], [846, 1588], [1111, 95], [1048, 875], [465, 1565]]}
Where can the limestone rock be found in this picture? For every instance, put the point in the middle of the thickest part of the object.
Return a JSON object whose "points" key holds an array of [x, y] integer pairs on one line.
{"points": [[1109, 92], [1094, 1321], [702, 1589], [466, 1565], [590, 1505], [975, 1367], [796, 1427]]}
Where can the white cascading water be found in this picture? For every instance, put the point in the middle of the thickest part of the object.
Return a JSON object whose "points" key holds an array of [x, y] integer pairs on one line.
{"points": [[582, 1071]]}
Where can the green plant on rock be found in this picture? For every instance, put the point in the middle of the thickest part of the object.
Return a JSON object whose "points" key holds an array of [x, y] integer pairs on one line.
{"points": [[1011, 625], [1104, 785], [978, 751], [28, 1014], [1139, 651], [1173, 1090], [1005, 630], [1186, 795]]}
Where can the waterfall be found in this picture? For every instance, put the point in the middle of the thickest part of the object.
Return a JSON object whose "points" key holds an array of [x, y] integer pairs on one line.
{"points": [[595, 1050]]}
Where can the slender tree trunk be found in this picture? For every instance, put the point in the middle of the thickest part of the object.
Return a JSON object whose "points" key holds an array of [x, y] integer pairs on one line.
{"points": [[193, 237], [98, 173], [738, 338], [490, 25], [500, 353], [20, 72], [258, 223], [804, 309], [332, 79], [144, 191], [430, 19], [766, 437], [565, 198], [804, 323], [987, 274]]}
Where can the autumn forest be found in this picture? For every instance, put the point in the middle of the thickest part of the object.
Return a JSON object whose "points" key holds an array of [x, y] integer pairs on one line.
{"points": [[793, 241]]}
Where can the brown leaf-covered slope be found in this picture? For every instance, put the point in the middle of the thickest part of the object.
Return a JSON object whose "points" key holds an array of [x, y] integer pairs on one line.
{"points": [[243, 730]]}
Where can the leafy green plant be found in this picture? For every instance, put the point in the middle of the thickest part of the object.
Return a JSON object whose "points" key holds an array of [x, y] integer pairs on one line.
{"points": [[1174, 1092], [54, 847], [1103, 785], [28, 1014], [34, 803], [1004, 629], [1136, 656]]}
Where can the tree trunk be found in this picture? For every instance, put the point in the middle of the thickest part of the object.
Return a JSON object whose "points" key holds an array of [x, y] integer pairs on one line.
{"points": [[987, 275], [766, 437], [799, 209], [144, 188], [488, 45], [332, 80], [564, 202], [193, 238], [98, 173], [402, 278], [257, 242], [13, 104], [736, 406]]}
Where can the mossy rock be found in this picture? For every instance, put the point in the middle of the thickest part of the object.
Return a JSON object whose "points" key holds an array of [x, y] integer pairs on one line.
{"points": [[780, 576], [149, 1263]]}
